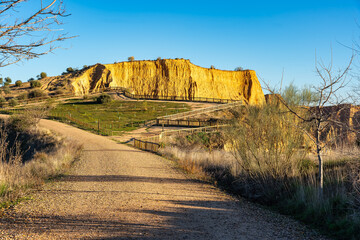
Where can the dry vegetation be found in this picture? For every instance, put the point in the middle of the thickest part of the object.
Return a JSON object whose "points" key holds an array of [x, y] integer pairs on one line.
{"points": [[270, 161], [28, 156]]}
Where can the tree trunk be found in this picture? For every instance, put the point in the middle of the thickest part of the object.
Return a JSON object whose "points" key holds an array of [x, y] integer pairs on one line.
{"points": [[321, 164]]}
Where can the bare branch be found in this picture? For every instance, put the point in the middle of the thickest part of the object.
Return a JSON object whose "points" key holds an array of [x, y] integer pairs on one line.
{"points": [[17, 34]]}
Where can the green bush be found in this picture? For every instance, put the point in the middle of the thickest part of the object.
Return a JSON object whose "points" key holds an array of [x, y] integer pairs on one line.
{"points": [[8, 80], [43, 75], [35, 84], [70, 70], [13, 102], [104, 98], [270, 162], [2, 101], [6, 89], [23, 96], [131, 59], [18, 83], [36, 93]]}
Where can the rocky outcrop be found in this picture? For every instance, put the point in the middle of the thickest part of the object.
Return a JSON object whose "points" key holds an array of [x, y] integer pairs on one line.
{"points": [[169, 77], [344, 127]]}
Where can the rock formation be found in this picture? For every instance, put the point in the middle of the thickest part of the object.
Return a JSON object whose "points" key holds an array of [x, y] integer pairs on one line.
{"points": [[344, 127], [169, 77]]}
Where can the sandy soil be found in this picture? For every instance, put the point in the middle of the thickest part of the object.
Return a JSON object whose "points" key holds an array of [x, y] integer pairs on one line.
{"points": [[117, 192]]}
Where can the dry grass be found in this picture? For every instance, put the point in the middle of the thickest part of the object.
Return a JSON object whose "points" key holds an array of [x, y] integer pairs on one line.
{"points": [[269, 163], [19, 175], [198, 162]]}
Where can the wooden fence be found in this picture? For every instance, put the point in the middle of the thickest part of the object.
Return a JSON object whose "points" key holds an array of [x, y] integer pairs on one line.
{"points": [[186, 123], [38, 99], [170, 98], [195, 112], [152, 144], [147, 146]]}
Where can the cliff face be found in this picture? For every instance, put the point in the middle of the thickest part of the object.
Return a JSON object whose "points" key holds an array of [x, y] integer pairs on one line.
{"points": [[348, 131], [169, 77]]}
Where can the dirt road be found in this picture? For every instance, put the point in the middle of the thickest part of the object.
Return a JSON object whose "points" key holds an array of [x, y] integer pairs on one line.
{"points": [[117, 192]]}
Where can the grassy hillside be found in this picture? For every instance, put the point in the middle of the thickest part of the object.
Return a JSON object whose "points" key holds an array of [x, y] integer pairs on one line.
{"points": [[113, 117]]}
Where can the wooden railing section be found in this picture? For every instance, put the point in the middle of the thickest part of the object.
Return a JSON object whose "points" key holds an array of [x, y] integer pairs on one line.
{"points": [[152, 144], [126, 93], [195, 112]]}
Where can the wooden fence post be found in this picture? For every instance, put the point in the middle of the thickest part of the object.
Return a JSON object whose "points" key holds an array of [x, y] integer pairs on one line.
{"points": [[99, 126]]}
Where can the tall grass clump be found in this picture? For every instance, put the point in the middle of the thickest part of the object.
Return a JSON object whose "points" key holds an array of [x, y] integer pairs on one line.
{"points": [[268, 150], [29, 157]]}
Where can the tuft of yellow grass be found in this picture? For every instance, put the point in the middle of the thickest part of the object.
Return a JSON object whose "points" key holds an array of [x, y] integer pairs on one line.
{"points": [[17, 178]]}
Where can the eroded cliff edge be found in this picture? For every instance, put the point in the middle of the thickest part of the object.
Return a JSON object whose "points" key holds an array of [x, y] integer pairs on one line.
{"points": [[170, 77]]}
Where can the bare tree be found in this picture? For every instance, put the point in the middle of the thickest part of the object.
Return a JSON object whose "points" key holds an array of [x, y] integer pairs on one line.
{"points": [[323, 114], [25, 35]]}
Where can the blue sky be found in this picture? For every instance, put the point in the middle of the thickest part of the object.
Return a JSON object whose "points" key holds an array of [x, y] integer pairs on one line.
{"points": [[267, 36]]}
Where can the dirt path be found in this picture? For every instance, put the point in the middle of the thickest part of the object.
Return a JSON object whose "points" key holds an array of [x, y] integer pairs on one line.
{"points": [[117, 192]]}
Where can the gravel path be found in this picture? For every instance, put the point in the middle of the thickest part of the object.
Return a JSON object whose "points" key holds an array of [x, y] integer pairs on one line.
{"points": [[117, 192]]}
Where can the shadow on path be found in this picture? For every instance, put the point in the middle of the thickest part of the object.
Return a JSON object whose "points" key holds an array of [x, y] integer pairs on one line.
{"points": [[184, 220], [122, 178]]}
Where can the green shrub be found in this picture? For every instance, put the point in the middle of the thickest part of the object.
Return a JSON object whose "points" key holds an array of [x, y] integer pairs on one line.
{"points": [[8, 80], [70, 70], [6, 89], [2, 101], [271, 160], [104, 98], [13, 102], [23, 96], [36, 93], [35, 84], [131, 59], [238, 69], [18, 83], [43, 75]]}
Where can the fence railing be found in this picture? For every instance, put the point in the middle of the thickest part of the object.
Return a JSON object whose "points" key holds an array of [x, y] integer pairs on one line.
{"points": [[186, 123], [146, 145], [38, 99], [201, 111], [153, 143], [171, 98]]}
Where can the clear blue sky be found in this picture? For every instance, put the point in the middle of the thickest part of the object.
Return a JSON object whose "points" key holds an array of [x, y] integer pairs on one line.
{"points": [[266, 36]]}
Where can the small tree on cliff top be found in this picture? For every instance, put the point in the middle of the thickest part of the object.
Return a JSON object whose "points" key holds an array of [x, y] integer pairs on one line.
{"points": [[131, 59]]}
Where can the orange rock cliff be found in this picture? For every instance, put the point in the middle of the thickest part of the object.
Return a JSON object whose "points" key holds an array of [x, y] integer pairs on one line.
{"points": [[171, 77]]}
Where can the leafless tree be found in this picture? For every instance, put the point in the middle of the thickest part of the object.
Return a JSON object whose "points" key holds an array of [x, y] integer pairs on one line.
{"points": [[29, 29], [323, 114]]}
